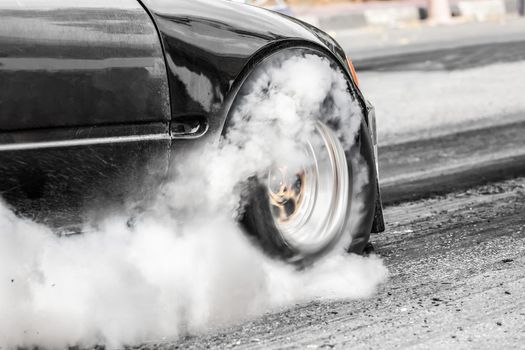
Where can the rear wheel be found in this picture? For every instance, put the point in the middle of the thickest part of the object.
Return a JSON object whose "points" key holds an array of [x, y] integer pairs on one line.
{"points": [[302, 210]]}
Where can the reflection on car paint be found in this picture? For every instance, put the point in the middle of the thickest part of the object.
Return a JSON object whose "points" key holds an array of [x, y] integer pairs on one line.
{"points": [[84, 64], [208, 43]]}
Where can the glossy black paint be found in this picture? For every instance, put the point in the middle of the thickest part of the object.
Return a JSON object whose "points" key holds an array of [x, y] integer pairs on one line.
{"points": [[79, 63], [63, 185], [210, 45], [84, 108]]}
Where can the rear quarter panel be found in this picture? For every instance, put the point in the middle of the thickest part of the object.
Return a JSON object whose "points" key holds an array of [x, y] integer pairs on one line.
{"points": [[79, 63], [84, 108]]}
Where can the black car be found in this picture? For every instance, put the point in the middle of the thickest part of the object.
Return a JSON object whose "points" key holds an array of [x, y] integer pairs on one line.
{"points": [[98, 99]]}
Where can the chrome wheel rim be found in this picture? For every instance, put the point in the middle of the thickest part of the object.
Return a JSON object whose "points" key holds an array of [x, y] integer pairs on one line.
{"points": [[309, 199]]}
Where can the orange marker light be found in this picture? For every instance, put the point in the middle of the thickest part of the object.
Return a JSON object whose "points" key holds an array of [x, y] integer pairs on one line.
{"points": [[352, 71]]}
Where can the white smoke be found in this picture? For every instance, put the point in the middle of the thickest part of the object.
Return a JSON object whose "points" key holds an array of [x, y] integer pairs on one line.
{"points": [[184, 265]]}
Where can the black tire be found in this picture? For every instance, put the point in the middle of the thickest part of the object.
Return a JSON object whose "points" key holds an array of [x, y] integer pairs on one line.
{"points": [[258, 221]]}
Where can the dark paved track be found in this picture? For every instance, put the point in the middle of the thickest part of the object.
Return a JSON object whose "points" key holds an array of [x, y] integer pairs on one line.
{"points": [[446, 58], [456, 46], [420, 169]]}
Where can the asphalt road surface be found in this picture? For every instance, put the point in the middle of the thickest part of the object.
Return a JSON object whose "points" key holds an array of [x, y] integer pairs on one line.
{"points": [[438, 165], [457, 265]]}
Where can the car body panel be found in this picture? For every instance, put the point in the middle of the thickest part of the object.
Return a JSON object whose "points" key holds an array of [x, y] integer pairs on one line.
{"points": [[208, 44], [67, 177], [79, 63], [84, 108]]}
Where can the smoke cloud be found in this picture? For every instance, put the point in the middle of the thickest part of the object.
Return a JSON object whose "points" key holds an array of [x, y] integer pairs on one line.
{"points": [[184, 265]]}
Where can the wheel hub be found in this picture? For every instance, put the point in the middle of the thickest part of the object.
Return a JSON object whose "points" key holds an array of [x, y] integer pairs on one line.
{"points": [[309, 201]]}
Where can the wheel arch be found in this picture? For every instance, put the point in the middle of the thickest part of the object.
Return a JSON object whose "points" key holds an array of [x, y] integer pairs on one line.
{"points": [[364, 143]]}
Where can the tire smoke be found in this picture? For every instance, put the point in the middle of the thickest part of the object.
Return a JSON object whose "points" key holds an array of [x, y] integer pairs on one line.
{"points": [[184, 265]]}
